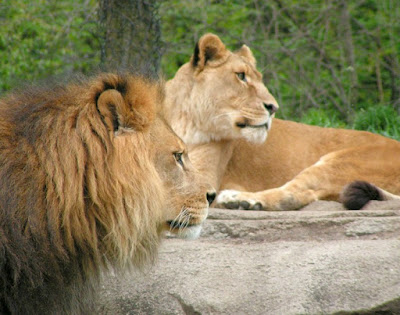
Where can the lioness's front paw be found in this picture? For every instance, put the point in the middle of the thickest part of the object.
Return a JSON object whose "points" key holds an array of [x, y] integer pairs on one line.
{"points": [[233, 199]]}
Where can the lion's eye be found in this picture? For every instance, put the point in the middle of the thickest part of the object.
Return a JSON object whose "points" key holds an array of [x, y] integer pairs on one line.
{"points": [[178, 157], [241, 76]]}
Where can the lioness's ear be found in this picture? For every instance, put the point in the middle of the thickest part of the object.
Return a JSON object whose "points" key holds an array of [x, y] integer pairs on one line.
{"points": [[209, 50], [246, 53]]}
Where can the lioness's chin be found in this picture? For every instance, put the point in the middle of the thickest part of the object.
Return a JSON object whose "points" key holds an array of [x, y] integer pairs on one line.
{"points": [[255, 136], [256, 133]]}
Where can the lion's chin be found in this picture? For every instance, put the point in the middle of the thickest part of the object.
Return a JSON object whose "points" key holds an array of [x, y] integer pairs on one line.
{"points": [[189, 232]]}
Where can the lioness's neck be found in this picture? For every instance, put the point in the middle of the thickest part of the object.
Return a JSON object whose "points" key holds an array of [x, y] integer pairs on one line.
{"points": [[179, 107], [209, 154], [211, 159]]}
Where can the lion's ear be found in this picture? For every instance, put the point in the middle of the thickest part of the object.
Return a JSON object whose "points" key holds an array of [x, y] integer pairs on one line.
{"points": [[246, 53], [209, 50], [110, 106], [127, 102]]}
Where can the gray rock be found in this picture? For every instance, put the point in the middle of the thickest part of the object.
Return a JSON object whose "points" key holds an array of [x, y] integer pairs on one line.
{"points": [[320, 260]]}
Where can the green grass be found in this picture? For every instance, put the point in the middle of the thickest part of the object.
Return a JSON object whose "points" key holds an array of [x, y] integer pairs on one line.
{"points": [[323, 118], [378, 119]]}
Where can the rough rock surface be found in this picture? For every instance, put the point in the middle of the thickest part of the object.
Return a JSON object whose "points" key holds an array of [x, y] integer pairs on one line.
{"points": [[320, 260]]}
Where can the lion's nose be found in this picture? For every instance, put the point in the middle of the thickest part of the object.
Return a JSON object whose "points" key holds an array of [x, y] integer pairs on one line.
{"points": [[271, 108], [210, 197]]}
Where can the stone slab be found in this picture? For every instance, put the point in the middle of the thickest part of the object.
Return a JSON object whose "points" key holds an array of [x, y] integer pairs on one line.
{"points": [[320, 260]]}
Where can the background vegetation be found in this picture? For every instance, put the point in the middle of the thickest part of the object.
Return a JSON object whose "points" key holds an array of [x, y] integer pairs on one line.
{"points": [[328, 62]]}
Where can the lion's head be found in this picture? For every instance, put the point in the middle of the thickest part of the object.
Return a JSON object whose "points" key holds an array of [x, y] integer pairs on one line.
{"points": [[90, 177], [218, 95], [186, 194]]}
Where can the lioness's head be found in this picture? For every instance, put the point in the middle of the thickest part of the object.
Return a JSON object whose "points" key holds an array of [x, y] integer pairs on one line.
{"points": [[219, 95]]}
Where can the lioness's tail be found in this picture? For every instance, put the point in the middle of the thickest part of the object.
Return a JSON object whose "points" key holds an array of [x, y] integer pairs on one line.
{"points": [[358, 193]]}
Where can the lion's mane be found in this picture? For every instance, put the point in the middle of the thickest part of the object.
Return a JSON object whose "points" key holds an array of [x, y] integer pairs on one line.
{"points": [[74, 199]]}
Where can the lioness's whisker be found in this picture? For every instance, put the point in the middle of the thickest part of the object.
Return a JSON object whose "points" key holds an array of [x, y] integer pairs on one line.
{"points": [[223, 114]]}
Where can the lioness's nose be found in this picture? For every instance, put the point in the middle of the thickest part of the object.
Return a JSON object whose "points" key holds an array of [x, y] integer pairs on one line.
{"points": [[271, 108], [210, 197]]}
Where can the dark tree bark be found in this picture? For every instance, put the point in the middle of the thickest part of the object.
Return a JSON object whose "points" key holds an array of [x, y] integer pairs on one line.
{"points": [[131, 36], [348, 48]]}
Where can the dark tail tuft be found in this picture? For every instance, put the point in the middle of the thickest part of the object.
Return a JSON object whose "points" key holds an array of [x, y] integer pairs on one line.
{"points": [[357, 194]]}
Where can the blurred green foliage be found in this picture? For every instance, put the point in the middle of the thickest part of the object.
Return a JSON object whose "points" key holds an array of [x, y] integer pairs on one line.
{"points": [[333, 63], [41, 38]]}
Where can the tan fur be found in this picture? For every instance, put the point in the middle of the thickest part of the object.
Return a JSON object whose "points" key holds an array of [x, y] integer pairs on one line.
{"points": [[88, 181], [296, 165]]}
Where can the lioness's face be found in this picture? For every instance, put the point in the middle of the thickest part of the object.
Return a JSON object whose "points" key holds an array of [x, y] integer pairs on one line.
{"points": [[188, 197], [236, 102]]}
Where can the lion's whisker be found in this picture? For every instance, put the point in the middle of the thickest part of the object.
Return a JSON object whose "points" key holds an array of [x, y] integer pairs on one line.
{"points": [[176, 223]]}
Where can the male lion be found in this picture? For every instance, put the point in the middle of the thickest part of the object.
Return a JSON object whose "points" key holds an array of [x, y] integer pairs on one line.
{"points": [[90, 176], [219, 106]]}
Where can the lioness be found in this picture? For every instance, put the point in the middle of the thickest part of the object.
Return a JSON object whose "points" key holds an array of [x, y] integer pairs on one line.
{"points": [[90, 177], [218, 104]]}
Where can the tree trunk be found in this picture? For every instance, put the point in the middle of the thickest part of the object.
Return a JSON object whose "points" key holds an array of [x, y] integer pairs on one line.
{"points": [[131, 36], [348, 48]]}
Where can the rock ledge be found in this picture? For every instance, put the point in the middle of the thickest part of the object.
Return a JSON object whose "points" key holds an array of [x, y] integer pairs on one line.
{"points": [[321, 260]]}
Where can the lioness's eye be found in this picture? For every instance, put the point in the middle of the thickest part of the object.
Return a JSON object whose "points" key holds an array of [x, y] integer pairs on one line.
{"points": [[241, 76], [178, 157]]}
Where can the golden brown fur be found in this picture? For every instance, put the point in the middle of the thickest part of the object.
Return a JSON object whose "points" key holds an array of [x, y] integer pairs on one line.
{"points": [[296, 165], [88, 180]]}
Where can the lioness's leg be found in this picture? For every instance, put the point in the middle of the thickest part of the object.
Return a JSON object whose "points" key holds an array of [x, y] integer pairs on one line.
{"points": [[325, 179]]}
